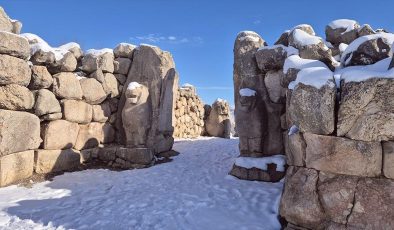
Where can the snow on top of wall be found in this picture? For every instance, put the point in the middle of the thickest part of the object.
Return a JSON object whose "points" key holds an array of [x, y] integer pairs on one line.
{"points": [[249, 35], [37, 43], [246, 92], [70, 45], [314, 76], [347, 24], [288, 49], [297, 62], [262, 163], [99, 52], [133, 85], [187, 85], [220, 100], [301, 26], [302, 38], [363, 73], [389, 38]]}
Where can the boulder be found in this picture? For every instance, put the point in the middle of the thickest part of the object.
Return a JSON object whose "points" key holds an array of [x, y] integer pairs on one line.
{"points": [[93, 92], [65, 63], [19, 131], [273, 57], [366, 111], [304, 27], [77, 111], [5, 21], [276, 92], [343, 156], [46, 103], [17, 26], [15, 167], [124, 50], [49, 161], [388, 159], [373, 205], [98, 59], [295, 149], [67, 86], [93, 134], [312, 109], [14, 71], [342, 31], [122, 65], [110, 85], [14, 45], [59, 134], [102, 112], [365, 30], [218, 121], [73, 48], [143, 156], [300, 203], [273, 140], [40, 78], [336, 193], [121, 78], [16, 97], [98, 75], [368, 49], [283, 39]]}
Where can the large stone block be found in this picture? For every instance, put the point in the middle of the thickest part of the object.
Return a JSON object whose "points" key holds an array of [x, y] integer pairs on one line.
{"points": [[77, 111], [93, 92], [388, 159], [143, 156], [98, 59], [59, 134], [46, 103], [47, 161], [124, 50], [343, 156], [300, 203], [19, 131], [295, 149], [16, 97], [67, 86], [14, 45], [366, 111], [40, 78], [101, 113], [14, 71], [89, 136], [122, 65], [15, 167]]}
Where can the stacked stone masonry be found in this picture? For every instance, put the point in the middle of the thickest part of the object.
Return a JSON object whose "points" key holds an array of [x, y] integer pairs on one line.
{"points": [[60, 106], [333, 102]]}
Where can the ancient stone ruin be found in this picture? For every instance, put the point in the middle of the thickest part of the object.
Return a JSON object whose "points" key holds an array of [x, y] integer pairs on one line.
{"points": [[62, 108], [326, 104]]}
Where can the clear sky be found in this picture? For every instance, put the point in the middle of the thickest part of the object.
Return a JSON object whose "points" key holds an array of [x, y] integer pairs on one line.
{"points": [[200, 34]]}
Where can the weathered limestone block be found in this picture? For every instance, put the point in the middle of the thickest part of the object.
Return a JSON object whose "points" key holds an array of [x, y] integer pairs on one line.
{"points": [[19, 131], [16, 97], [47, 161], [92, 134], [136, 115], [98, 59], [107, 153], [143, 156], [14, 45], [271, 57], [59, 134], [98, 75], [110, 85], [373, 205], [336, 193], [343, 156], [52, 117], [14, 71], [300, 203], [365, 30], [122, 65], [342, 31], [73, 48], [313, 109], [273, 140], [77, 111], [93, 92], [67, 86], [388, 159], [218, 121], [16, 167], [124, 50], [276, 93], [295, 149], [67, 63], [366, 111], [121, 78], [101, 113], [40, 78], [46, 103]]}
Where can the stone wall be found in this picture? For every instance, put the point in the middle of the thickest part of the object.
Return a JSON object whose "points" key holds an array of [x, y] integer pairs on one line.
{"points": [[337, 122], [61, 107], [189, 113]]}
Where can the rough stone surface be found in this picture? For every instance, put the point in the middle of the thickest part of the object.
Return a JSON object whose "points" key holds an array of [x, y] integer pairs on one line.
{"points": [[47, 161], [77, 111], [52, 117], [14, 45], [14, 71], [46, 103], [275, 91], [341, 35], [68, 63], [295, 149], [342, 155], [110, 85], [40, 78], [124, 50], [312, 109], [59, 134], [388, 159], [143, 156], [122, 65], [16, 167], [94, 61], [218, 121], [93, 92], [255, 174], [16, 97], [366, 111], [101, 113], [19, 131], [271, 58], [5, 22], [67, 86]]}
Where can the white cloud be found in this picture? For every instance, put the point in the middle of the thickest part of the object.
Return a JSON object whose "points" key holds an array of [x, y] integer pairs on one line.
{"points": [[171, 39], [256, 22]]}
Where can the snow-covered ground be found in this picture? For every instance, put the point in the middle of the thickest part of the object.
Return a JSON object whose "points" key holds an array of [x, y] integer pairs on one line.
{"points": [[191, 192]]}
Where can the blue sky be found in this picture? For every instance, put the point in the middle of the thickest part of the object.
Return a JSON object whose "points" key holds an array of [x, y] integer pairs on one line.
{"points": [[200, 34]]}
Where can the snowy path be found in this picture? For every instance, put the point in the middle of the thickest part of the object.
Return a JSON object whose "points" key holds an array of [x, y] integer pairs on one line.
{"points": [[191, 192]]}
